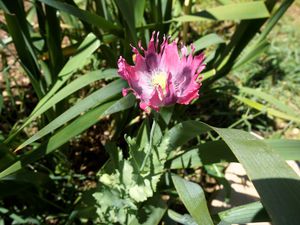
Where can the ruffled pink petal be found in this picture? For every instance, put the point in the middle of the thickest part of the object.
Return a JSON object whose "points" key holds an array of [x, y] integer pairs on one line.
{"points": [[155, 101], [139, 60], [144, 107], [123, 68], [187, 80], [170, 60], [188, 98], [128, 73], [197, 63], [170, 97], [183, 74]]}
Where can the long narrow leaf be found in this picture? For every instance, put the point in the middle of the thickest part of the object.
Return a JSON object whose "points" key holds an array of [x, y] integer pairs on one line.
{"points": [[218, 151], [193, 198], [207, 40], [91, 101], [6, 156], [277, 184], [274, 19], [270, 99], [83, 15], [237, 11], [287, 149], [249, 213], [252, 55], [268, 110], [68, 132], [127, 10], [66, 91], [84, 51]]}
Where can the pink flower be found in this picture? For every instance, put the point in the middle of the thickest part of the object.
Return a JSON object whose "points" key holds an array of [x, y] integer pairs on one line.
{"points": [[161, 77]]}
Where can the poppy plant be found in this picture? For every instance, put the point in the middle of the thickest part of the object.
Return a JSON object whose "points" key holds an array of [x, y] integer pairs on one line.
{"points": [[162, 75]]}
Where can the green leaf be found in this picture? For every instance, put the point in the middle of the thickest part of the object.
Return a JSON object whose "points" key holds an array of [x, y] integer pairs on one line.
{"points": [[193, 198], [208, 74], [84, 51], [3, 7], [270, 99], [120, 105], [207, 40], [274, 19], [225, 2], [218, 151], [94, 99], [244, 33], [86, 16], [268, 110], [66, 91], [237, 11], [249, 213], [277, 184], [1, 103], [11, 169], [53, 40], [166, 113], [151, 213], [22, 178], [65, 134], [207, 153], [18, 29], [287, 149], [139, 9], [180, 134], [184, 219], [252, 54], [126, 9], [6, 157], [88, 119]]}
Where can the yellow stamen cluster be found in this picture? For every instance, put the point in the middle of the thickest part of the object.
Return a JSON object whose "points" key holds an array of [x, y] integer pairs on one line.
{"points": [[160, 78]]}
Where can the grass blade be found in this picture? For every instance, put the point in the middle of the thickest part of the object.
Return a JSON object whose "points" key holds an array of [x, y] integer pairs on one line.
{"points": [[84, 51], [18, 29], [274, 19]]}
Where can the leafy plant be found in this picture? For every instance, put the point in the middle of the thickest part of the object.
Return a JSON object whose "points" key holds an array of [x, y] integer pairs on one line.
{"points": [[69, 50]]}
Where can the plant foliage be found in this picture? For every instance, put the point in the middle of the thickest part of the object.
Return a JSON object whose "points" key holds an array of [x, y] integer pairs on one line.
{"points": [[68, 52]]}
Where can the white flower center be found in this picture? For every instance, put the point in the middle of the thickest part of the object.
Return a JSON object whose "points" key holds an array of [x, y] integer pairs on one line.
{"points": [[159, 78]]}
